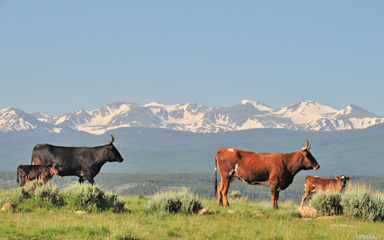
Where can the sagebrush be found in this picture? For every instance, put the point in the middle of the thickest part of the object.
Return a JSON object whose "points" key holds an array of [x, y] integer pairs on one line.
{"points": [[356, 203], [91, 198], [78, 196], [34, 194], [175, 202], [327, 204], [360, 204]]}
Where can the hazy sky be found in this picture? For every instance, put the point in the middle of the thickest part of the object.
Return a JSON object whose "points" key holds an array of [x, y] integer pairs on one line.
{"points": [[59, 56]]}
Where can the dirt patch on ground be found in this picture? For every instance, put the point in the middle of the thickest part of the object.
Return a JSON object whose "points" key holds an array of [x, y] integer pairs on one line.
{"points": [[307, 212]]}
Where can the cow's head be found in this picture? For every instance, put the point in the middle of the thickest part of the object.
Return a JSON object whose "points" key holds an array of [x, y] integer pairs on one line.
{"points": [[342, 180], [307, 160], [112, 155]]}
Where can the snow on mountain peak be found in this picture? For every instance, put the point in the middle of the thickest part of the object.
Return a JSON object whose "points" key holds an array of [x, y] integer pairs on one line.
{"points": [[258, 105], [13, 119], [305, 112], [154, 104], [192, 117], [353, 111]]}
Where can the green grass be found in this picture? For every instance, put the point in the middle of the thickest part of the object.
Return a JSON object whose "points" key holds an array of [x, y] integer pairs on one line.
{"points": [[250, 220]]}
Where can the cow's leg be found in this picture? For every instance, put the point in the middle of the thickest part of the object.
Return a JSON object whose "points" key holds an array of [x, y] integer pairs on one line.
{"points": [[305, 196], [275, 191], [275, 198], [219, 194], [225, 186], [81, 179], [91, 181], [223, 189], [88, 176]]}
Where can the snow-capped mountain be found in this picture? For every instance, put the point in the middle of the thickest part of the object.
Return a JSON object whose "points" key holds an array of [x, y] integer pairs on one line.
{"points": [[248, 114], [13, 119]]}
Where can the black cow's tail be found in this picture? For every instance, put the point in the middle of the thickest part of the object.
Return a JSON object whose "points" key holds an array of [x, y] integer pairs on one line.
{"points": [[17, 176]]}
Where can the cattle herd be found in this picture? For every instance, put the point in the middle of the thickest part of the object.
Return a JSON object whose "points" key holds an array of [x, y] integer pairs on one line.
{"points": [[274, 170]]}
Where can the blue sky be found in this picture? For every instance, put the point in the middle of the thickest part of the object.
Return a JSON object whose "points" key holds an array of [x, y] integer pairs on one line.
{"points": [[59, 56]]}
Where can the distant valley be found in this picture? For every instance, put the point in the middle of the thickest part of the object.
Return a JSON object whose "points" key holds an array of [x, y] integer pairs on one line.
{"points": [[158, 151]]}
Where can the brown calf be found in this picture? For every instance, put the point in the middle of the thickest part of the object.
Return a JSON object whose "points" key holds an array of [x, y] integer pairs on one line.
{"points": [[32, 172], [313, 184], [274, 170]]}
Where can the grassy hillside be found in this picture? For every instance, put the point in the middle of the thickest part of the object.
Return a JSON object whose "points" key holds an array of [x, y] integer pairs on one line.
{"points": [[244, 220]]}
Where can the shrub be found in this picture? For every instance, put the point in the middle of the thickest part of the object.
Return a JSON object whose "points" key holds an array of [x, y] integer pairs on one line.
{"points": [[91, 198], [14, 196], [327, 204], [79, 196], [359, 204], [236, 195], [175, 202], [34, 194], [44, 193], [48, 194], [376, 212], [379, 206], [356, 203]]}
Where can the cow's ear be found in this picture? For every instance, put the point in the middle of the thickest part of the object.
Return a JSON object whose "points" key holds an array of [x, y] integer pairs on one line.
{"points": [[337, 177], [349, 178]]}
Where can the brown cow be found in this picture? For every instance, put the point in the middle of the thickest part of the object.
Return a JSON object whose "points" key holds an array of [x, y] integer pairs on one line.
{"points": [[313, 184], [32, 172], [274, 170]]}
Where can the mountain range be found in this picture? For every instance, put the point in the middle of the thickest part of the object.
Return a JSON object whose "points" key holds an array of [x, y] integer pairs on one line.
{"points": [[191, 117]]}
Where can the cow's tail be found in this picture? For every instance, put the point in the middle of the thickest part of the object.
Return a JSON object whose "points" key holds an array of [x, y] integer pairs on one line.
{"points": [[215, 179], [17, 176]]}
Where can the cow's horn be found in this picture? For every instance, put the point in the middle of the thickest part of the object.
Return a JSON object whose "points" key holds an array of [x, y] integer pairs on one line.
{"points": [[110, 142], [307, 147]]}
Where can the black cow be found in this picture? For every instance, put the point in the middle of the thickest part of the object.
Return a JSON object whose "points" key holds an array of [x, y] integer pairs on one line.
{"points": [[84, 162]]}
